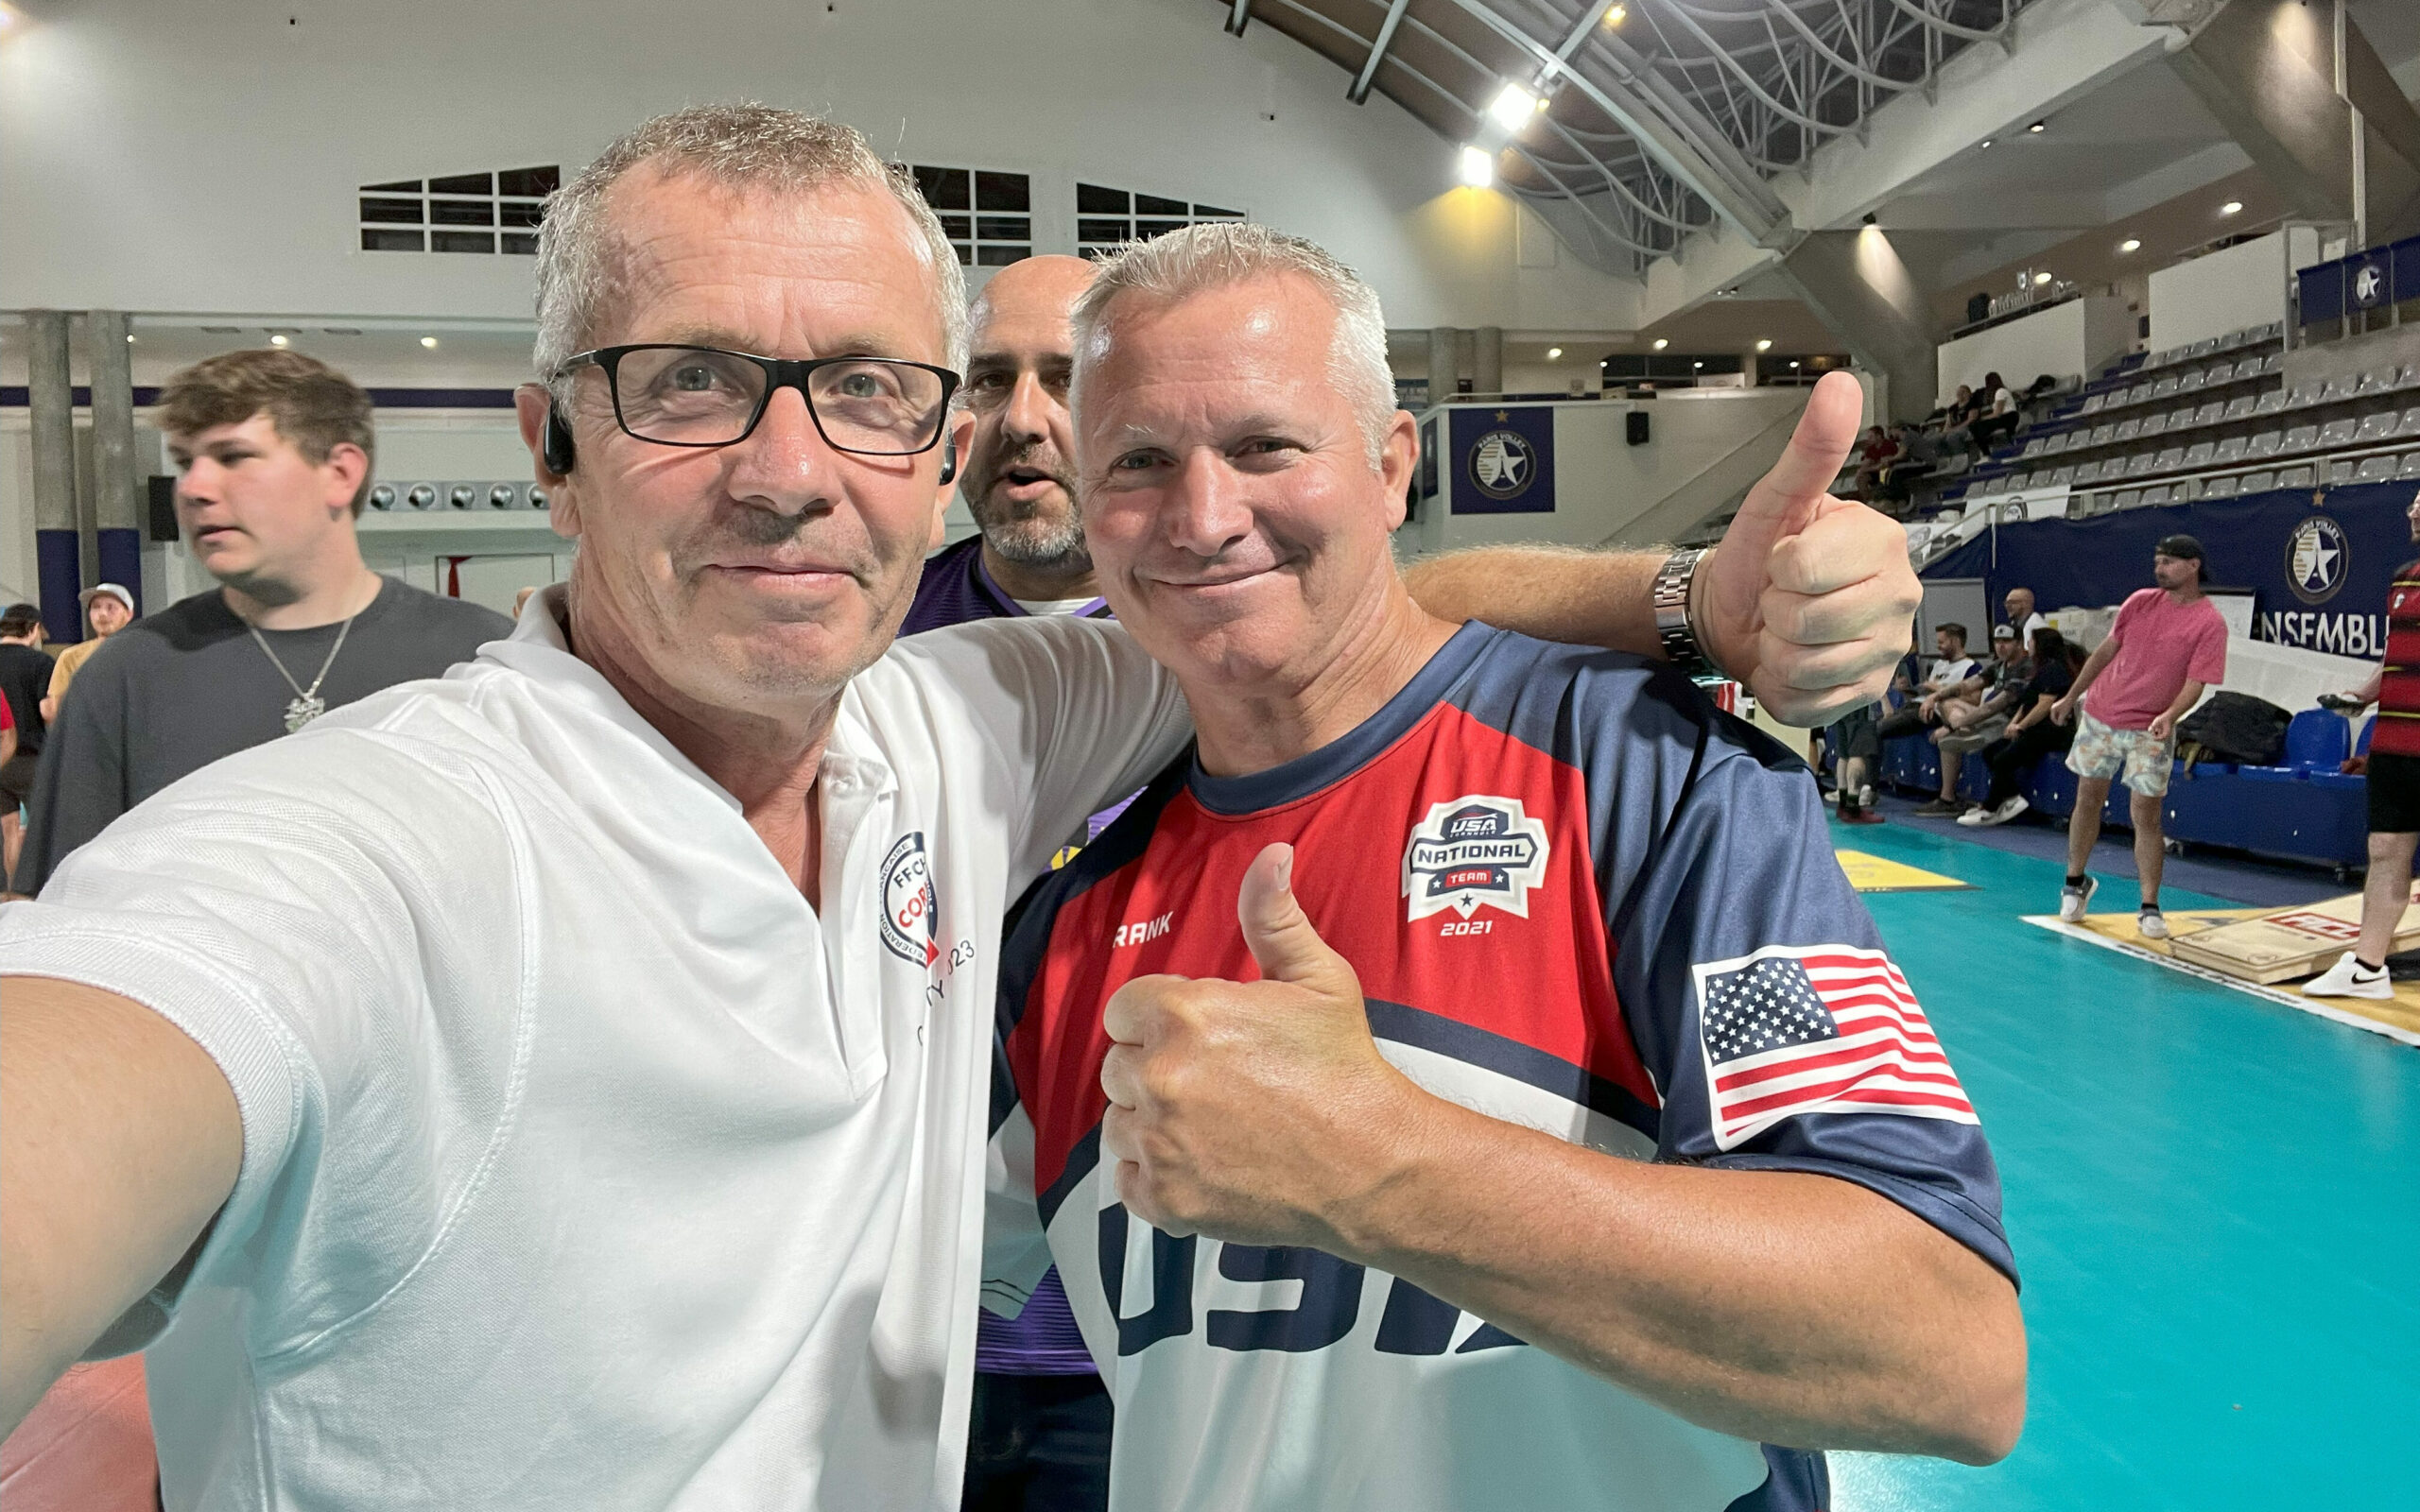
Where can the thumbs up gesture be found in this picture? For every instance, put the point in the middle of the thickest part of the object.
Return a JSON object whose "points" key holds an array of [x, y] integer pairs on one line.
{"points": [[1810, 601], [1254, 1111]]}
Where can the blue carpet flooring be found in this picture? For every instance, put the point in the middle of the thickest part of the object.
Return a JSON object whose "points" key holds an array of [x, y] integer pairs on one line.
{"points": [[2215, 1203]]}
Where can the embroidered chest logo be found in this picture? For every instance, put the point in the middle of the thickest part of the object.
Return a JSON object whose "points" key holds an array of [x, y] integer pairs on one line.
{"points": [[1473, 850], [908, 929]]}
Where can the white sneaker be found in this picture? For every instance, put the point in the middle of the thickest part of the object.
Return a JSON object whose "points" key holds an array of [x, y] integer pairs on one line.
{"points": [[2151, 924], [2349, 978], [2072, 899], [1997, 816]]}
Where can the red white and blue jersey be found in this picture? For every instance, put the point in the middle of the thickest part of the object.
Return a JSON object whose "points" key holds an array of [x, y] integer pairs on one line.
{"points": [[1579, 899]]}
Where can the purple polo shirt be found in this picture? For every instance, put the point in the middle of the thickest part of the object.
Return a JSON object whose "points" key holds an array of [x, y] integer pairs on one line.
{"points": [[1043, 1340]]}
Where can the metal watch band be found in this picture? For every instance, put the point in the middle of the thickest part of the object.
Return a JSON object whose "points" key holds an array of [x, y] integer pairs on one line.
{"points": [[1671, 598]]}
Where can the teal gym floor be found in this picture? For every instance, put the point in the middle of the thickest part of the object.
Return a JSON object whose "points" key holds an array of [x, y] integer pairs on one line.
{"points": [[2215, 1204]]}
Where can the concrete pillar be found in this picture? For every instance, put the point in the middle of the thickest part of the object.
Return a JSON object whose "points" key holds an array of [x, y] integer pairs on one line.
{"points": [[2267, 70], [58, 552], [1857, 285], [117, 486], [1487, 360], [1444, 363]]}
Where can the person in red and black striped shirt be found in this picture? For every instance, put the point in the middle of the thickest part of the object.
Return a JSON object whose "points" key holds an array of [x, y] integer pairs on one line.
{"points": [[2394, 790]]}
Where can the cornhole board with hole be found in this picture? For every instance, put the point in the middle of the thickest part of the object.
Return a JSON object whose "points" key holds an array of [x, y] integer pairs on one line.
{"points": [[2285, 943]]}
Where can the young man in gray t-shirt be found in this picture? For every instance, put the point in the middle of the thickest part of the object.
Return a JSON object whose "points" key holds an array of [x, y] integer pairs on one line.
{"points": [[273, 451]]}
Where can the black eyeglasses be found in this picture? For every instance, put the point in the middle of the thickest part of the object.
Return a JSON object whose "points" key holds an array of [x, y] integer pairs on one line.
{"points": [[704, 396]]}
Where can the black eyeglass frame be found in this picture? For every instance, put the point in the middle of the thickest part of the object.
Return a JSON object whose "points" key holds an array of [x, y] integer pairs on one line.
{"points": [[780, 373]]}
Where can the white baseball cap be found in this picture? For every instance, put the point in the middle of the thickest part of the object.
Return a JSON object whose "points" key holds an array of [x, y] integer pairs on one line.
{"points": [[113, 590]]}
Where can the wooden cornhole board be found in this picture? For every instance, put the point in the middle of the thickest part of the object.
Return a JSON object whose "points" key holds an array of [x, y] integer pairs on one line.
{"points": [[2285, 943]]}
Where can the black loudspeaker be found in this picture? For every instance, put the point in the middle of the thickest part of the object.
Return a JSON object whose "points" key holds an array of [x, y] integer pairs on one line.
{"points": [[163, 499], [1978, 307], [555, 447], [1634, 427]]}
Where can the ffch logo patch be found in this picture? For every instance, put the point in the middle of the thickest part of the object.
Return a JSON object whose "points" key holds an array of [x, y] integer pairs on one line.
{"points": [[1473, 850], [908, 929]]}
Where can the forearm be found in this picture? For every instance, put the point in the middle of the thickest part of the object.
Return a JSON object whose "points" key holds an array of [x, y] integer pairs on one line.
{"points": [[2368, 691], [121, 1141], [2185, 699], [1551, 593], [1787, 1308], [2091, 669]]}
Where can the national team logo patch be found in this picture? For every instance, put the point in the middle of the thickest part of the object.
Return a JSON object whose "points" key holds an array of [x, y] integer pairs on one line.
{"points": [[1473, 850], [908, 929]]}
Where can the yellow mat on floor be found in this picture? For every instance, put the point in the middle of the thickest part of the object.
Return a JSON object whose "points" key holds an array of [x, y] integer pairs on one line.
{"points": [[2397, 1020], [1868, 874]]}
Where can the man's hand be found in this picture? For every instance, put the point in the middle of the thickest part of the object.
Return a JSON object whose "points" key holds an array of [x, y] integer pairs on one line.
{"points": [[2162, 723], [2063, 711], [1254, 1111], [1809, 600]]}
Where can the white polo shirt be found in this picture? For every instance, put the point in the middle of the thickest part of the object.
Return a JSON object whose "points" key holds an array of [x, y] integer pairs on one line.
{"points": [[585, 1165]]}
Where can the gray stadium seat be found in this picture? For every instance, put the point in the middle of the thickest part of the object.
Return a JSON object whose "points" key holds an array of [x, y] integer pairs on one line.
{"points": [[2239, 407], [2374, 470], [2303, 395], [2268, 443], [2231, 449], [2411, 468], [2142, 464], [2089, 473], [2061, 476], [2155, 494], [2102, 435], [2139, 394], [2154, 423], [2127, 499], [2032, 449], [2275, 362], [2170, 459], [2165, 389], [2248, 368], [2338, 433], [2297, 478], [2271, 403], [2257, 482], [2297, 438], [2186, 491], [2339, 389], [2377, 380], [2094, 404], [2410, 423], [2128, 429], [2408, 376], [2199, 454], [2187, 382], [2376, 428], [2211, 413], [2220, 488]]}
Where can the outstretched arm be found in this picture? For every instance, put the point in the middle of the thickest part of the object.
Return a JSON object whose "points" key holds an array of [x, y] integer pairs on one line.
{"points": [[121, 1140], [1808, 600]]}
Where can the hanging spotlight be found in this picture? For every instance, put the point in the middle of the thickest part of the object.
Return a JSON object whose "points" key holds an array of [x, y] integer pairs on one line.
{"points": [[1661, 343], [2040, 278], [1765, 344], [1554, 353], [1512, 106], [2231, 207], [1617, 15], [428, 341], [2038, 128], [1477, 170]]}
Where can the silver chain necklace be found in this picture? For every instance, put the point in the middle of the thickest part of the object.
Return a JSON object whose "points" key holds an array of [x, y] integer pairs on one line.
{"points": [[306, 704]]}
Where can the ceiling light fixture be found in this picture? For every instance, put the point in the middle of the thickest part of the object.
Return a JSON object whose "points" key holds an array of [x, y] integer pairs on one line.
{"points": [[277, 341], [429, 342], [2231, 207], [1985, 146], [1617, 15], [1661, 343], [1478, 167], [1870, 217], [1554, 353], [1512, 106], [1765, 344], [2040, 278], [1793, 363], [1695, 364], [2038, 128], [2132, 244]]}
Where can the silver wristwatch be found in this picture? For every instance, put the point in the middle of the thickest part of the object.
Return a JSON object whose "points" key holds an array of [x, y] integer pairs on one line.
{"points": [[1671, 598]]}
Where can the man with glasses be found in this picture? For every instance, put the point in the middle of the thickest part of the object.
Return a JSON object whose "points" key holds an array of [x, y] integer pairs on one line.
{"points": [[563, 1084]]}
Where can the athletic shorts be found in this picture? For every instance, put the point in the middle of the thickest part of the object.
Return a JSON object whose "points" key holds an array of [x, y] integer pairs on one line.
{"points": [[17, 780], [2394, 794], [2106, 754], [1858, 734]]}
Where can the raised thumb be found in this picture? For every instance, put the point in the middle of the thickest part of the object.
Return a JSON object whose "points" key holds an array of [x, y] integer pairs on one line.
{"points": [[1278, 932], [1785, 499]]}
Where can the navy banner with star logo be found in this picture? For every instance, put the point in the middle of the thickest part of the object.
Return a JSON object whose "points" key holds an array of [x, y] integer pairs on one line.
{"points": [[1503, 459]]}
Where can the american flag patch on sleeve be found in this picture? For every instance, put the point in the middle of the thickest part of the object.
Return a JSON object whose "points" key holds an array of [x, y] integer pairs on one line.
{"points": [[1817, 1029]]}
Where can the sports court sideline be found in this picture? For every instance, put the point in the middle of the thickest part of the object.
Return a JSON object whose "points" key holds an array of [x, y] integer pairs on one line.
{"points": [[2211, 1197]]}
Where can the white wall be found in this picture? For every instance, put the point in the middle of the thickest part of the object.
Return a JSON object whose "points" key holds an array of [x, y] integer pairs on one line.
{"points": [[1602, 482], [2228, 290], [2070, 340], [204, 156]]}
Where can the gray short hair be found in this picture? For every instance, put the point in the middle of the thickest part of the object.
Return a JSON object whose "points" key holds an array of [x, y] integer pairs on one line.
{"points": [[1199, 258], [741, 147]]}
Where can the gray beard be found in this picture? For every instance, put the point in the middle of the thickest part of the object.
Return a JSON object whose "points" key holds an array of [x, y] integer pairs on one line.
{"points": [[1055, 548]]}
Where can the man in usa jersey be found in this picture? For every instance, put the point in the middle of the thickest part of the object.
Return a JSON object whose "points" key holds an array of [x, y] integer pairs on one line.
{"points": [[1466, 1079]]}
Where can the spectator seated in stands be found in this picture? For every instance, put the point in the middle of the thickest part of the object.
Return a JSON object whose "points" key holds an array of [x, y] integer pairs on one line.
{"points": [[2000, 416], [1975, 711], [1919, 452], [1951, 666], [2033, 733], [1872, 455]]}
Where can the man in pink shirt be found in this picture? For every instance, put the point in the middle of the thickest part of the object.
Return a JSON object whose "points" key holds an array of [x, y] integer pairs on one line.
{"points": [[2168, 645]]}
